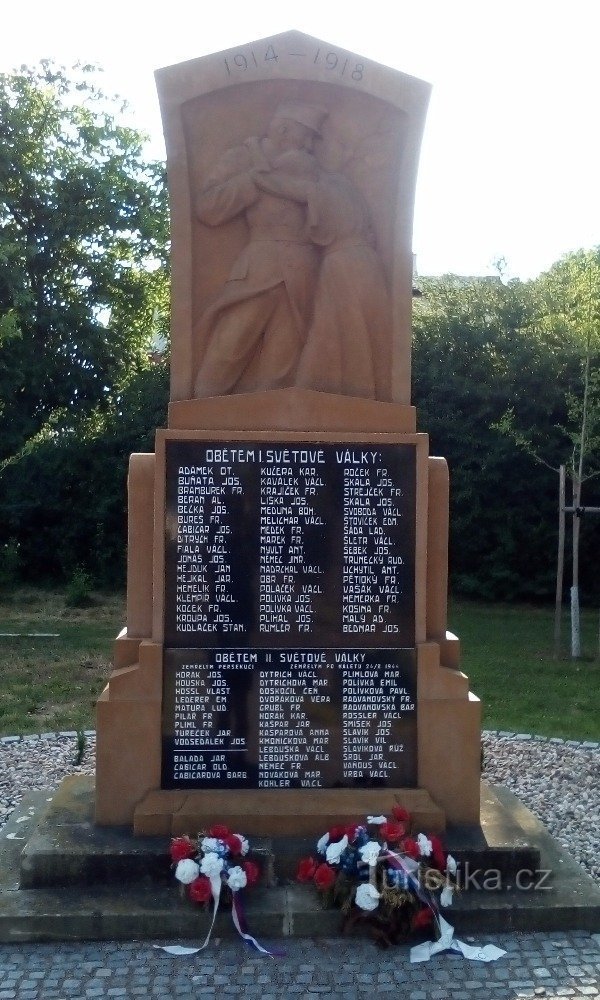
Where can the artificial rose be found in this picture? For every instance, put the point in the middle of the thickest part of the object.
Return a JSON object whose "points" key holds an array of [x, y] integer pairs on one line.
{"points": [[334, 851], [236, 878], [425, 846], [219, 831], [252, 872], [367, 897], [182, 848], [370, 852], [401, 814], [451, 865], [438, 855], [421, 919], [324, 877], [410, 848], [322, 843], [186, 871], [200, 889], [306, 869], [351, 832], [336, 833], [392, 832], [233, 843], [211, 865]]}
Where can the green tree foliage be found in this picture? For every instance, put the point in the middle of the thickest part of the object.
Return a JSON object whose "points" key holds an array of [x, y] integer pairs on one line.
{"points": [[83, 232], [65, 500], [83, 294], [484, 349]]}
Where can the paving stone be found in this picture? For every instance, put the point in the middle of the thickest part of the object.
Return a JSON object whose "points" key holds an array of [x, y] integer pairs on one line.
{"points": [[535, 966]]}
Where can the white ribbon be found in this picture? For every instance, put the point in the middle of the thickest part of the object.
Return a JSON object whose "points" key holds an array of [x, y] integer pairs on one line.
{"points": [[215, 884], [447, 942]]}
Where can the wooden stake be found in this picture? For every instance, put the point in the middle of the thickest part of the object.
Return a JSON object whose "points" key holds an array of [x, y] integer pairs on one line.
{"points": [[560, 564]]}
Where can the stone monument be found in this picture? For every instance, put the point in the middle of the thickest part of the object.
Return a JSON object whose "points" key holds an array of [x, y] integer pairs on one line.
{"points": [[286, 662]]}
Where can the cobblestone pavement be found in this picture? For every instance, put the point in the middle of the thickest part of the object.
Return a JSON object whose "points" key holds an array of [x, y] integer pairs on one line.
{"points": [[536, 965]]}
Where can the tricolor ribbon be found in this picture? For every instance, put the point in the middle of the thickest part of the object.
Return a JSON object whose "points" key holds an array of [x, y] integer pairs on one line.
{"points": [[446, 940], [237, 915], [239, 921]]}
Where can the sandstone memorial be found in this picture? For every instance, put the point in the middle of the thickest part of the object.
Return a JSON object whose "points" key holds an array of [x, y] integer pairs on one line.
{"points": [[286, 660]]}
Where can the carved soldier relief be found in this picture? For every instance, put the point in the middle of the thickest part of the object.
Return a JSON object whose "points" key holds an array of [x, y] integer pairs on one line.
{"points": [[306, 301]]}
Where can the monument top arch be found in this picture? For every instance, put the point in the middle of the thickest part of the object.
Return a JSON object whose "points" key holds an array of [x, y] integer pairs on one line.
{"points": [[291, 167]]}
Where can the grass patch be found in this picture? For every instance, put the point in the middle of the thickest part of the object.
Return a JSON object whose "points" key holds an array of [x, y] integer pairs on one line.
{"points": [[52, 684], [507, 654]]}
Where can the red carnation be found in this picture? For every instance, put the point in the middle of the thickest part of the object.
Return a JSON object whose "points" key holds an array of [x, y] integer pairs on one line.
{"points": [[421, 919], [200, 889], [306, 869], [438, 855], [401, 814], [411, 848], [233, 843], [336, 833], [252, 872], [219, 831], [392, 832], [182, 848], [324, 877]]}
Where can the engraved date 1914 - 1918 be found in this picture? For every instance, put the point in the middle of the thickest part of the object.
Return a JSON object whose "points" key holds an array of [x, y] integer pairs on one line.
{"points": [[338, 64]]}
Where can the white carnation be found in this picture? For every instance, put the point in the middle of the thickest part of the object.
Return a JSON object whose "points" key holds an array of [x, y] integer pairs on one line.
{"points": [[425, 846], [367, 896], [245, 845], [236, 878], [211, 865], [186, 871], [446, 896], [376, 820], [322, 843], [370, 852], [334, 851], [451, 865], [209, 844]]}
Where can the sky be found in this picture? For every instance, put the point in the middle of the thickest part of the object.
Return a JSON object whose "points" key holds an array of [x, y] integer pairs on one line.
{"points": [[510, 161]]}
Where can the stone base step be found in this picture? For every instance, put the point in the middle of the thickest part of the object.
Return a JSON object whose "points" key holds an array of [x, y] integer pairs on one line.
{"points": [[47, 841]]}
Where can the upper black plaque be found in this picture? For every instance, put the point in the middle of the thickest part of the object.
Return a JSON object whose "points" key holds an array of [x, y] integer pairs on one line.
{"points": [[272, 544]]}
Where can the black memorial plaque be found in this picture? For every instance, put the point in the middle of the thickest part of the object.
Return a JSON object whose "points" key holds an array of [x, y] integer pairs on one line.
{"points": [[271, 544], [293, 718], [289, 615]]}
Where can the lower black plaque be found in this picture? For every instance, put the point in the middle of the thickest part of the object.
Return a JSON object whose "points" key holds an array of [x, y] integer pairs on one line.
{"points": [[293, 718]]}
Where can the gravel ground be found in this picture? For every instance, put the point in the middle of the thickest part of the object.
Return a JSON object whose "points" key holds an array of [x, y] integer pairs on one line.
{"points": [[34, 763], [558, 782]]}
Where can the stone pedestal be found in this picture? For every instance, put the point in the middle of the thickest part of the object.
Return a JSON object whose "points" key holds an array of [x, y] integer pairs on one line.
{"points": [[130, 709]]}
